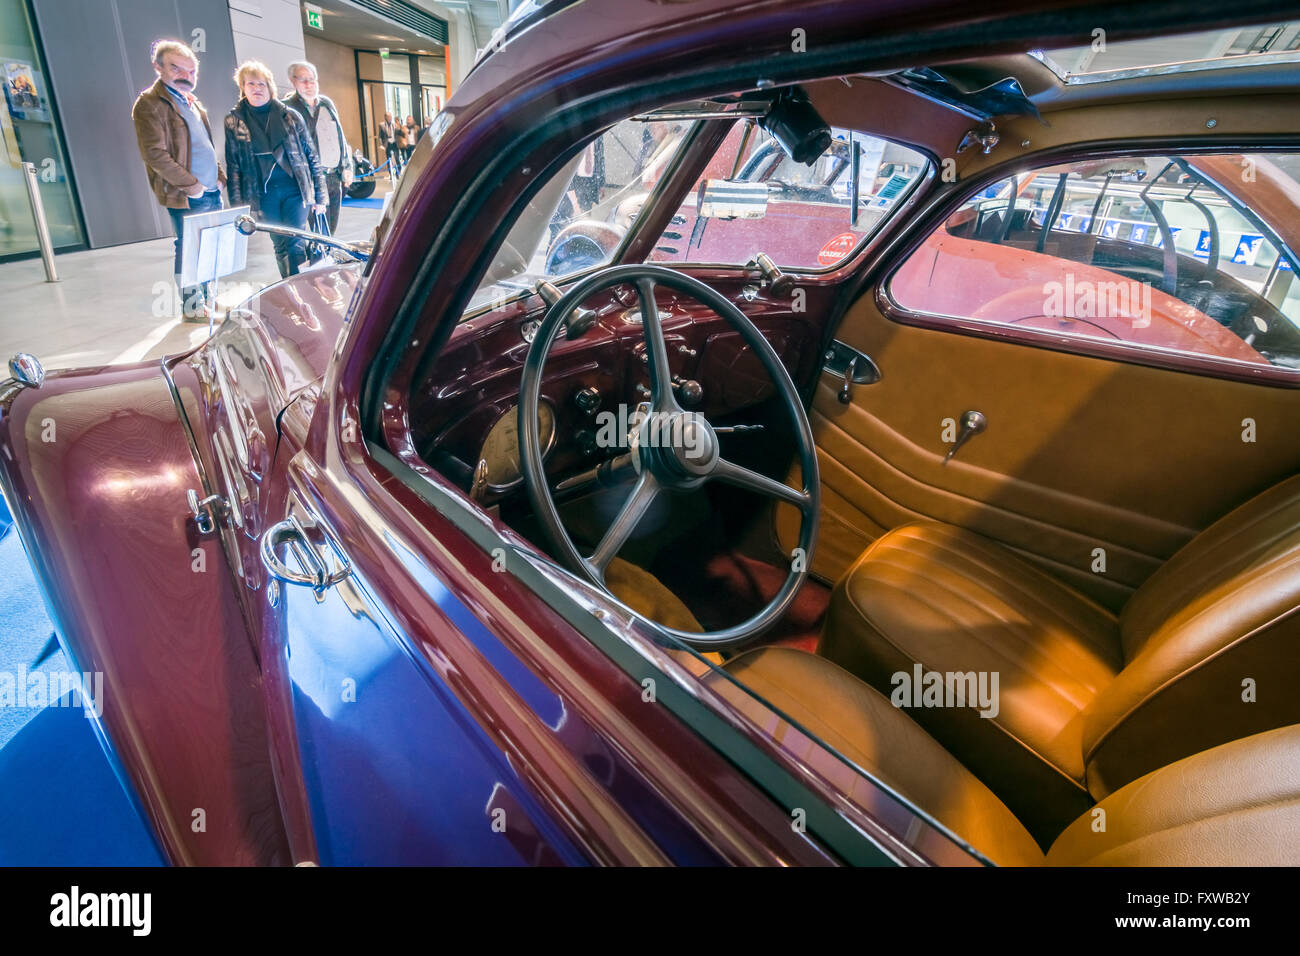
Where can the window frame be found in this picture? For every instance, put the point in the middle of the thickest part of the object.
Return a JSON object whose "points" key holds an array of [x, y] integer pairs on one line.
{"points": [[1134, 354]]}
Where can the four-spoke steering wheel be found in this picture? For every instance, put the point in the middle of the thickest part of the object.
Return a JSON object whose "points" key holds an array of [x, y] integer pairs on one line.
{"points": [[671, 449]]}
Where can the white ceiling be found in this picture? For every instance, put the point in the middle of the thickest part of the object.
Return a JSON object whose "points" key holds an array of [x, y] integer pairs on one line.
{"points": [[355, 27]]}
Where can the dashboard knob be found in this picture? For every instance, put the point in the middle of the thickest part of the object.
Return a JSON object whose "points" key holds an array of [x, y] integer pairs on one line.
{"points": [[587, 399], [689, 391]]}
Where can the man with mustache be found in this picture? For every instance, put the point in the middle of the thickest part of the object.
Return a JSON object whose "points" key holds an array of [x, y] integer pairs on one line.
{"points": [[171, 128]]}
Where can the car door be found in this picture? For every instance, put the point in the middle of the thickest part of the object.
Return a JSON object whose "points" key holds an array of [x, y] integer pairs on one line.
{"points": [[427, 706], [380, 762], [1104, 441]]}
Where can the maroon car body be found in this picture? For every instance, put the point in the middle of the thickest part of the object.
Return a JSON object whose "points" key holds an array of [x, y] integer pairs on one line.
{"points": [[476, 696]]}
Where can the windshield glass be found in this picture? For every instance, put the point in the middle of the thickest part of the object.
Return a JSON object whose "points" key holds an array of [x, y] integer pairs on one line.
{"points": [[579, 218]]}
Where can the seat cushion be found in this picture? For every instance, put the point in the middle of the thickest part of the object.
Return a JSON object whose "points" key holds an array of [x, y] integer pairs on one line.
{"points": [[955, 602], [646, 594], [862, 725], [1237, 804]]}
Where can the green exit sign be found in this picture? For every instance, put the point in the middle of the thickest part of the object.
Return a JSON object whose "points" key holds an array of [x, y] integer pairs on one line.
{"points": [[313, 16]]}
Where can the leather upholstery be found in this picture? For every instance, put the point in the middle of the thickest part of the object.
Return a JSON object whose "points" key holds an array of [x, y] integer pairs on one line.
{"points": [[1234, 805], [1221, 611], [1080, 452], [1237, 804], [863, 726], [647, 595], [1087, 704], [951, 600]]}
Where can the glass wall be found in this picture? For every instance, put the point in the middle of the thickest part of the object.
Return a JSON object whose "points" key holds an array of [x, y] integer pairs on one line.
{"points": [[386, 87], [29, 134]]}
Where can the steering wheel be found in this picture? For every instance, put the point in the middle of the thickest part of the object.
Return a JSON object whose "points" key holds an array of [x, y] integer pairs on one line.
{"points": [[671, 449]]}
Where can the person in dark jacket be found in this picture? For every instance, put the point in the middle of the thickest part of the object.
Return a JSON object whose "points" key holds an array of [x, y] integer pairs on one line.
{"points": [[271, 163], [400, 138], [388, 141], [326, 131]]}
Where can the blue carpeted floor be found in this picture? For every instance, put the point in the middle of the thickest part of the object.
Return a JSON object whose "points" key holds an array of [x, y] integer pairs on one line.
{"points": [[372, 202], [60, 803]]}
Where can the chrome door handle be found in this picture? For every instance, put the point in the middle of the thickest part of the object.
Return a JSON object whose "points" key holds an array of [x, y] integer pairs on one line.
{"points": [[318, 572], [972, 423]]}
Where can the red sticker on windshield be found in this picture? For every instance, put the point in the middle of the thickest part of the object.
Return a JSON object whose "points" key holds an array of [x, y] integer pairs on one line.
{"points": [[837, 248]]}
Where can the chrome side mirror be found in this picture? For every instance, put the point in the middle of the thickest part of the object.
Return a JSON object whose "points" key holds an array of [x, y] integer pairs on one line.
{"points": [[27, 370], [357, 250]]}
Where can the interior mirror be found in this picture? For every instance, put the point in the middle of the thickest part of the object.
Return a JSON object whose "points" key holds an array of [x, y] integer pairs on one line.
{"points": [[797, 126], [732, 199]]}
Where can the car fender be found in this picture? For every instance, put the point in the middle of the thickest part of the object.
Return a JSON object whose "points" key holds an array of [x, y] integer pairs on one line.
{"points": [[95, 465]]}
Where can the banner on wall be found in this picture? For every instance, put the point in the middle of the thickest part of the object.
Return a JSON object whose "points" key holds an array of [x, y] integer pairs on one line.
{"points": [[20, 91]]}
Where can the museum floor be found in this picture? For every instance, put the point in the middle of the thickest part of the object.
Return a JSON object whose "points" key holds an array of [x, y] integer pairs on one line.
{"points": [[116, 305]]}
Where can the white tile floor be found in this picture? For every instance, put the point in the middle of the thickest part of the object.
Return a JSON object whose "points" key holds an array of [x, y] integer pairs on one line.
{"points": [[118, 304]]}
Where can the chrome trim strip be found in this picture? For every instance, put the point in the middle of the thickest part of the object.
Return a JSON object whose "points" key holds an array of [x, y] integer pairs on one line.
{"points": [[189, 431], [1287, 58]]}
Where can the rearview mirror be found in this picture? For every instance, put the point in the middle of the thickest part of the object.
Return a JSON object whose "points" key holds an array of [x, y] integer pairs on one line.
{"points": [[732, 199]]}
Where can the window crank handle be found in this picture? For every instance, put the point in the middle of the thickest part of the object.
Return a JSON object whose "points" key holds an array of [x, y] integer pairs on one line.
{"points": [[972, 423]]}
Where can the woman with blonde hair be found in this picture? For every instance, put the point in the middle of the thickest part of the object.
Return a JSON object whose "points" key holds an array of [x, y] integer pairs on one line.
{"points": [[271, 163]]}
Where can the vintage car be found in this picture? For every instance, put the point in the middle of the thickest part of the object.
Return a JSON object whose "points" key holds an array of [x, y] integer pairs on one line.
{"points": [[970, 538]]}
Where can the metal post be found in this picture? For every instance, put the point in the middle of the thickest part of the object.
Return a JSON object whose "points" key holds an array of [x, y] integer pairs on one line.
{"points": [[42, 228]]}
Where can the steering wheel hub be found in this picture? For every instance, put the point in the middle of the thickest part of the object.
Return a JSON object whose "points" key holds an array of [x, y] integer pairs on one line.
{"points": [[678, 446]]}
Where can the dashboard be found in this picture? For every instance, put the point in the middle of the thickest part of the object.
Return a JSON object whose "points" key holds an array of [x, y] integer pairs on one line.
{"points": [[465, 414]]}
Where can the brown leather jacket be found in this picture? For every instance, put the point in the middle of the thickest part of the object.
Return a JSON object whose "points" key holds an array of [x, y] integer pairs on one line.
{"points": [[164, 140]]}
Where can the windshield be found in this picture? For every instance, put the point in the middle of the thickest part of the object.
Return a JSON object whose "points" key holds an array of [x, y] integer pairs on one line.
{"points": [[580, 217]]}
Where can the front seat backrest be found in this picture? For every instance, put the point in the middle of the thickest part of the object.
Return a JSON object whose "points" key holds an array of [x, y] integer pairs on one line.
{"points": [[1211, 646]]}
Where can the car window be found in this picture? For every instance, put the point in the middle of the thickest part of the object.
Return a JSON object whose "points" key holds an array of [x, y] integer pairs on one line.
{"points": [[1174, 254], [580, 217], [753, 198]]}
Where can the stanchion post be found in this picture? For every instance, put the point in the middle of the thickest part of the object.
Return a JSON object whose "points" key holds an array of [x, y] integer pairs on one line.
{"points": [[42, 227]]}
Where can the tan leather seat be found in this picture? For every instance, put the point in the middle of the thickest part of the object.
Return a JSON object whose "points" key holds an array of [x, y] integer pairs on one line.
{"points": [[1236, 804], [1087, 702], [862, 725]]}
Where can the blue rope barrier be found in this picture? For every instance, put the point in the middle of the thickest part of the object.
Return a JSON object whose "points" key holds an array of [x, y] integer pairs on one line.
{"points": [[373, 172]]}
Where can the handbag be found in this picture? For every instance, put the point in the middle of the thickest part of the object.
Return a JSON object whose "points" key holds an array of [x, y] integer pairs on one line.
{"points": [[316, 251]]}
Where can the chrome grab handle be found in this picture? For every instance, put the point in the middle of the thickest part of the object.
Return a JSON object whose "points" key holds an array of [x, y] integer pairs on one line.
{"points": [[316, 573]]}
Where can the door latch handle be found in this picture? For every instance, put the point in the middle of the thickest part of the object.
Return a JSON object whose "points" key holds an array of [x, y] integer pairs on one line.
{"points": [[972, 423], [318, 571], [846, 390], [207, 513], [846, 362]]}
